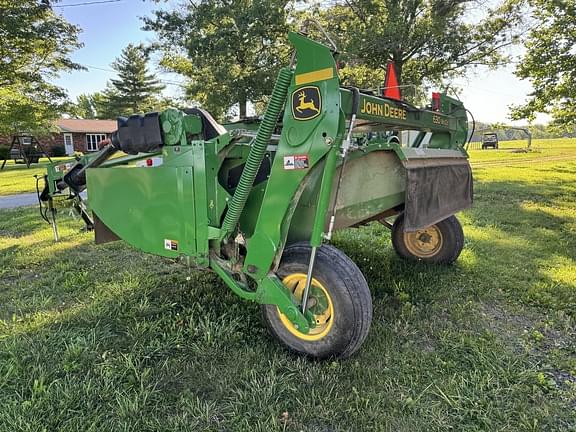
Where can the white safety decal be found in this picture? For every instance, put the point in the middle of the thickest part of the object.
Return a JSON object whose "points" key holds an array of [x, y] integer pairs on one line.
{"points": [[170, 244], [295, 162]]}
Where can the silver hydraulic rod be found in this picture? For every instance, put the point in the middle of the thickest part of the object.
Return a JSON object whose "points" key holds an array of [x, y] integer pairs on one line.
{"points": [[345, 148], [344, 153], [308, 279]]}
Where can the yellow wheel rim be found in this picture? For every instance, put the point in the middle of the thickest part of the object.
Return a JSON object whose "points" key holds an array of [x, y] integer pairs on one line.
{"points": [[319, 303], [424, 243]]}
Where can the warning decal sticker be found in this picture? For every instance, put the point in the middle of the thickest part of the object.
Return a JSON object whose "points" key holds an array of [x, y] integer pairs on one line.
{"points": [[295, 162], [170, 244], [63, 167]]}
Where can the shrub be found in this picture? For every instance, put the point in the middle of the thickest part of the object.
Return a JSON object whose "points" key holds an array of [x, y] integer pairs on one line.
{"points": [[58, 151], [4, 152]]}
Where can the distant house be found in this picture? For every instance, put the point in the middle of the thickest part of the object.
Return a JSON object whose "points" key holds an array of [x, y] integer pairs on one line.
{"points": [[74, 135], [82, 135]]}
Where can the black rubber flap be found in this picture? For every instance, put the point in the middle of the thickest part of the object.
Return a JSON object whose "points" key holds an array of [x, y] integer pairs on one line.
{"points": [[435, 189]]}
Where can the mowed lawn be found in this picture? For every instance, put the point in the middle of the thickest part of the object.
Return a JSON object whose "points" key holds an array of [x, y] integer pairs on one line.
{"points": [[17, 178], [104, 338], [559, 148]]}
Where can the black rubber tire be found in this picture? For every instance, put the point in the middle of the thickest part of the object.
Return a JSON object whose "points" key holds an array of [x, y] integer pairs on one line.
{"points": [[350, 296], [453, 241]]}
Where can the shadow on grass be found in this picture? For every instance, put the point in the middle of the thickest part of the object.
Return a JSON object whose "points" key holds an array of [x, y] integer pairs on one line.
{"points": [[512, 242], [20, 222], [138, 342], [143, 348], [527, 240], [135, 331]]}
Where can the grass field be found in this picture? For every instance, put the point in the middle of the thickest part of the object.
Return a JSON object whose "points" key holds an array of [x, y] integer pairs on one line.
{"points": [[103, 338], [16, 178], [516, 151]]}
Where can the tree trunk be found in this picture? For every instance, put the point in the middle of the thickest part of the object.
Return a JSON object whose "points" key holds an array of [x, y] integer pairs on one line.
{"points": [[398, 63], [242, 105]]}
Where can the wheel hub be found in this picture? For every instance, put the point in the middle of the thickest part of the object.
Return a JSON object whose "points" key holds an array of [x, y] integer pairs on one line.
{"points": [[319, 304], [424, 243]]}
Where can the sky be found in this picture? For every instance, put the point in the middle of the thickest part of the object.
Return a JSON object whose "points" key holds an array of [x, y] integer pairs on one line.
{"points": [[108, 27]]}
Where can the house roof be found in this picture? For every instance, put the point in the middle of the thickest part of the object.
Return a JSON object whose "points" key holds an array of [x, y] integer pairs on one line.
{"points": [[88, 126]]}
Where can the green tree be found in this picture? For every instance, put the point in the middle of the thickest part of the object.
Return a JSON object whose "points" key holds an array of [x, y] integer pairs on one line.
{"points": [[86, 105], [230, 51], [550, 63], [429, 41], [135, 90], [36, 44]]}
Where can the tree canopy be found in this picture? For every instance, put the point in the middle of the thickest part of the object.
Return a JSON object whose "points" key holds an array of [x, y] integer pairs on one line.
{"points": [[87, 105], [550, 63], [230, 51], [429, 41], [36, 45]]}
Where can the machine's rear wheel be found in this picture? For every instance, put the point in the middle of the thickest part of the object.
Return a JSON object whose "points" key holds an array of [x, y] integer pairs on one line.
{"points": [[440, 243], [339, 300]]}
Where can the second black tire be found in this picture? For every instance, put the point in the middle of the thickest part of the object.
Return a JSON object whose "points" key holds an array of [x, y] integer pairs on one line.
{"points": [[440, 243]]}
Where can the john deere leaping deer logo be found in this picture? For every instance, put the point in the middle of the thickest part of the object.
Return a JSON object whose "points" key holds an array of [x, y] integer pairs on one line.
{"points": [[306, 103], [303, 105]]}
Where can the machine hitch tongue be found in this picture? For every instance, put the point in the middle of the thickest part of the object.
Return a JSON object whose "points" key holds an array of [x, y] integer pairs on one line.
{"points": [[76, 177]]}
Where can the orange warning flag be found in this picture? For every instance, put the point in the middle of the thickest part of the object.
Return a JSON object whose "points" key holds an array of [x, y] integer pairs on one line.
{"points": [[391, 88]]}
